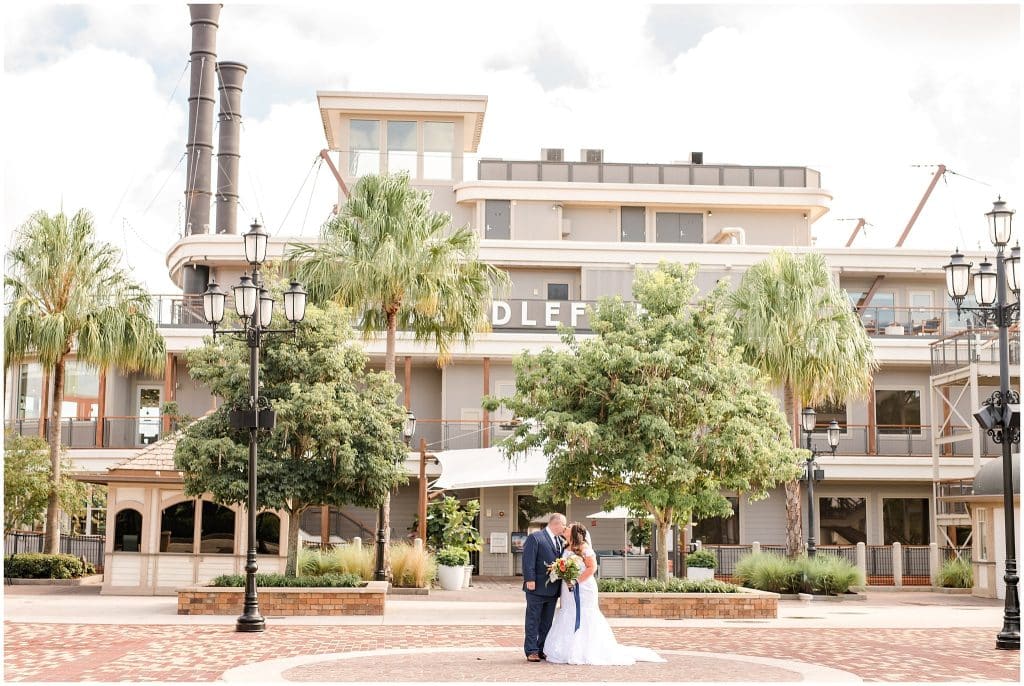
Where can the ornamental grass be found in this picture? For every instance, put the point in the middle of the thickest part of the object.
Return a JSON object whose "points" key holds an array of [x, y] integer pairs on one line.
{"points": [[347, 559], [823, 574], [412, 567], [955, 573]]}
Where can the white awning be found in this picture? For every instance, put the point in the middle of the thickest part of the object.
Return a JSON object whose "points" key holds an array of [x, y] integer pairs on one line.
{"points": [[488, 468], [617, 513]]}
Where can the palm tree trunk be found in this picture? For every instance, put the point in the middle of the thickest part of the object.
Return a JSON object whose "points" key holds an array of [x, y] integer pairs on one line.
{"points": [[794, 527], [389, 367], [51, 541], [294, 520]]}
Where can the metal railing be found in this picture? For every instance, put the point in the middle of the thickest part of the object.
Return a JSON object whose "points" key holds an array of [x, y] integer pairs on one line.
{"points": [[89, 547], [947, 553], [118, 432], [878, 560], [974, 345], [912, 321], [728, 556], [916, 567], [946, 489]]}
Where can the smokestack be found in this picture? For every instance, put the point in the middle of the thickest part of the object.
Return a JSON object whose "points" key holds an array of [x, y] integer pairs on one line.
{"points": [[199, 145], [230, 121]]}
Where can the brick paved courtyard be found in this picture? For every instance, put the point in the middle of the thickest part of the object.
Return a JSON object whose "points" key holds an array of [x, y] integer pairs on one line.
{"points": [[110, 652]]}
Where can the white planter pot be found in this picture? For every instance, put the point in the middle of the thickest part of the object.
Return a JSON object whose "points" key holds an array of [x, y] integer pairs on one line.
{"points": [[699, 573], [469, 576], [451, 578]]}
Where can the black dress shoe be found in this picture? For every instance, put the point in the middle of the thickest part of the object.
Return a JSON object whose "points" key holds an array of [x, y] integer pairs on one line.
{"points": [[541, 655]]}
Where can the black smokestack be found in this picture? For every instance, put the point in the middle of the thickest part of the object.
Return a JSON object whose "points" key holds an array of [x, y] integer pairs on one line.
{"points": [[230, 121], [199, 146]]}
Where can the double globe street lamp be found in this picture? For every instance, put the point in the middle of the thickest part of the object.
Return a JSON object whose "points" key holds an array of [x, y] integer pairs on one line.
{"points": [[254, 307], [1000, 414], [808, 419]]}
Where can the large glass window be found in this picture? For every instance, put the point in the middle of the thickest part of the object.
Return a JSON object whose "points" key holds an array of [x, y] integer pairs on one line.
{"points": [[402, 147], [844, 521], [533, 513], [898, 412], [81, 391], [879, 313], [828, 411], [128, 530], [905, 520], [268, 533], [720, 530], [364, 147], [498, 219], [679, 227], [218, 529], [30, 390], [634, 228], [177, 528], [438, 149]]}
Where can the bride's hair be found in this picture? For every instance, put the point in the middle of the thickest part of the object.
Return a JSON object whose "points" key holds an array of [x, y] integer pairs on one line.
{"points": [[578, 537]]}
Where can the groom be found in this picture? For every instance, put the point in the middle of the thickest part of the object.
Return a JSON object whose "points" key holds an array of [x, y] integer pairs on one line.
{"points": [[541, 549]]}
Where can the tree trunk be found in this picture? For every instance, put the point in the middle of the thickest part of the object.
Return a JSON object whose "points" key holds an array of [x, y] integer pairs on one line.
{"points": [[51, 542], [794, 525], [389, 367], [294, 520], [664, 531]]}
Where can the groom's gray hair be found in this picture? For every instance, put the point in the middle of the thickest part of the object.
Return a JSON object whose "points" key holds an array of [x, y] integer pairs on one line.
{"points": [[557, 517]]}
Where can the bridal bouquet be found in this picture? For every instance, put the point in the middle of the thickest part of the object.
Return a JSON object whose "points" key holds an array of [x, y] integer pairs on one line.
{"points": [[568, 569]]}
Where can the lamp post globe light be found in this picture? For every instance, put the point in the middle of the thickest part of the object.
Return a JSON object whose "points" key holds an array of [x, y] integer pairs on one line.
{"points": [[408, 429], [1000, 414], [255, 307], [808, 418]]}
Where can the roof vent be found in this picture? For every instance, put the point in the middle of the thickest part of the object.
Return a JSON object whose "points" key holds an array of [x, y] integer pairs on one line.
{"points": [[696, 158], [552, 154], [592, 155]]}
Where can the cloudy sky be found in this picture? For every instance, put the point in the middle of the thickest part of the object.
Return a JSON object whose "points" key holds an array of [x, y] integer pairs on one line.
{"points": [[96, 112]]}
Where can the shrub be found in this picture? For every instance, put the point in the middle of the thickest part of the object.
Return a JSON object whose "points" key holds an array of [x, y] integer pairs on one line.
{"points": [[955, 573], [451, 556], [282, 581], [702, 558], [823, 574], [412, 568], [347, 559], [43, 566], [670, 586]]}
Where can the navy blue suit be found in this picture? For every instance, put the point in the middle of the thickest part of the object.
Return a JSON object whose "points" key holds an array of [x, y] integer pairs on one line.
{"points": [[538, 553]]}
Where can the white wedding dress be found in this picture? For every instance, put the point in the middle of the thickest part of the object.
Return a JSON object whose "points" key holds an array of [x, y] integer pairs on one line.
{"points": [[594, 643]]}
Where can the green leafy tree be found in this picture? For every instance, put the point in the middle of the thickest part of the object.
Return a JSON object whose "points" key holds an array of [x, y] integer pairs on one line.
{"points": [[657, 411], [450, 523], [66, 292], [337, 439], [27, 482], [399, 265], [796, 325]]}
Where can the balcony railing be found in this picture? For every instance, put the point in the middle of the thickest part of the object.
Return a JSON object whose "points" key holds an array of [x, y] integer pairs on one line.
{"points": [[974, 345], [912, 321], [118, 432]]}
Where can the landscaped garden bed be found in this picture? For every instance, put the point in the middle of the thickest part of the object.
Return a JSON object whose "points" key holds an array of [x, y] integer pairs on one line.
{"points": [[330, 594], [53, 570], [683, 599]]}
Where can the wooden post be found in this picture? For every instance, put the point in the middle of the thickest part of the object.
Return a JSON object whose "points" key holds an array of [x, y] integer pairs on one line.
{"points": [[487, 415], [325, 526], [422, 533], [168, 388], [872, 426], [102, 409]]}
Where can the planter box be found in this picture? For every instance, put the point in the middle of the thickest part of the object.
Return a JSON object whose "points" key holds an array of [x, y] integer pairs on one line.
{"points": [[700, 573], [747, 604], [953, 591], [287, 602], [833, 598], [400, 590], [91, 580]]}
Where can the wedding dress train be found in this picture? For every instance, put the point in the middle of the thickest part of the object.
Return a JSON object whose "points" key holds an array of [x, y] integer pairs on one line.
{"points": [[593, 643]]}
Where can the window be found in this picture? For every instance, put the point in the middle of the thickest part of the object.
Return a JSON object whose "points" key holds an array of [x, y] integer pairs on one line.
{"points": [[843, 521], [81, 391], [981, 535], [558, 291], [364, 147], [402, 147], [533, 513], [898, 412], [905, 520], [497, 219], [720, 530], [634, 228], [93, 520], [268, 533], [218, 529], [127, 530], [30, 391], [438, 149], [828, 411], [679, 227], [177, 528]]}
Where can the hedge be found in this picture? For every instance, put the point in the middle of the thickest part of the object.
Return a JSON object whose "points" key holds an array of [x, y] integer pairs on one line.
{"points": [[673, 585], [44, 566], [280, 580]]}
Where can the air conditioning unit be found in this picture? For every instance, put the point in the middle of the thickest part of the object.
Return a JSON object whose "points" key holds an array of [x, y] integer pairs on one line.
{"points": [[592, 155], [552, 154], [696, 158]]}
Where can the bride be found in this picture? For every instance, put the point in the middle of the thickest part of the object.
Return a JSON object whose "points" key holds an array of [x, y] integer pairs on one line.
{"points": [[593, 642]]}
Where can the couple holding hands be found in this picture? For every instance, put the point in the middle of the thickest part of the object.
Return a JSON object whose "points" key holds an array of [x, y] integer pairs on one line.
{"points": [[563, 621]]}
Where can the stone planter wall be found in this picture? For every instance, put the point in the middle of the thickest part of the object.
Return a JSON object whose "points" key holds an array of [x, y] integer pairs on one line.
{"points": [[209, 600], [747, 604]]}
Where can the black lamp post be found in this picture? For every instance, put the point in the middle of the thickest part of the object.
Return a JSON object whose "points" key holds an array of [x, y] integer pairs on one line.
{"points": [[815, 473], [254, 306], [408, 429], [1000, 414]]}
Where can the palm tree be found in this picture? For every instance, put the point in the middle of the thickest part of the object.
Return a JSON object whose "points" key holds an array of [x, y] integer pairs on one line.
{"points": [[796, 325], [66, 293], [392, 259]]}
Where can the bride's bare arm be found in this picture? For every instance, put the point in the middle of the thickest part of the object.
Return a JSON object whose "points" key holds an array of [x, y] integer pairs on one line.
{"points": [[590, 566]]}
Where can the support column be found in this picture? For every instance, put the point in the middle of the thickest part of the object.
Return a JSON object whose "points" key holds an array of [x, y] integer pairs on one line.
{"points": [[102, 409], [872, 422], [408, 382], [325, 526], [168, 389], [862, 561], [422, 509], [487, 415], [897, 565]]}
